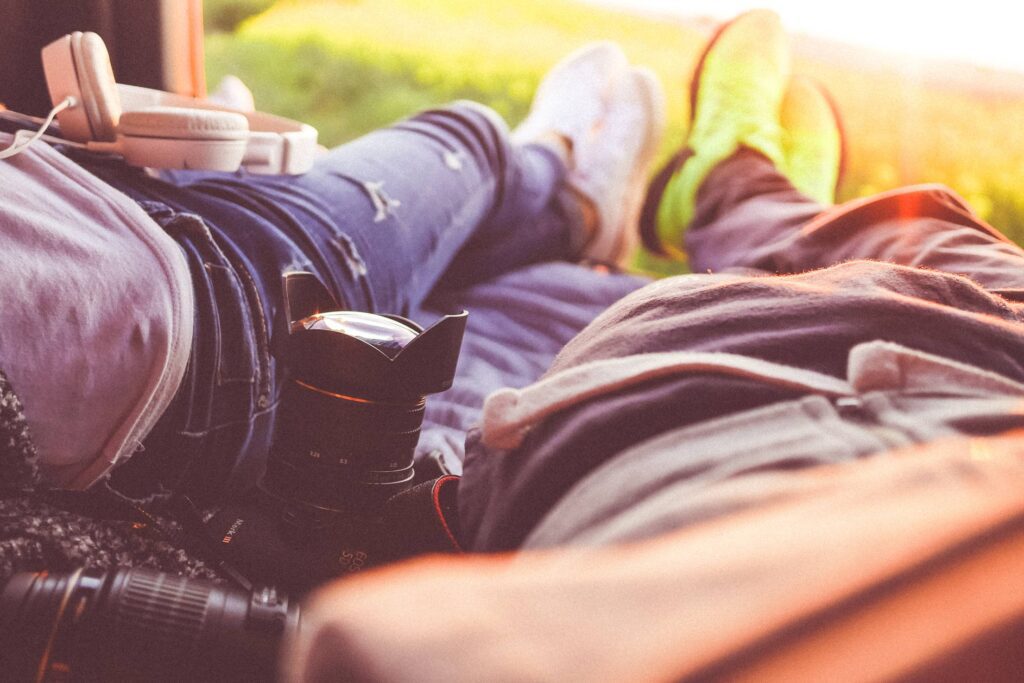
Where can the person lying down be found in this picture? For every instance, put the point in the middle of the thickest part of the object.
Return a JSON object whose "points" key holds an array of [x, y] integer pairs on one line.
{"points": [[600, 409]]}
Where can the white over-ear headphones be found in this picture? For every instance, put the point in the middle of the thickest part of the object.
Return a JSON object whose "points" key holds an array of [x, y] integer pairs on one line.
{"points": [[160, 129]]}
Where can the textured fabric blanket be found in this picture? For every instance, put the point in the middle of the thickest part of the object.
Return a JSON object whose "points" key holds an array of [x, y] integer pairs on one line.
{"points": [[40, 530]]}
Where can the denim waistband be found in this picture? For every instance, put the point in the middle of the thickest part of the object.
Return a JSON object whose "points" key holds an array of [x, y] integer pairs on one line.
{"points": [[227, 398]]}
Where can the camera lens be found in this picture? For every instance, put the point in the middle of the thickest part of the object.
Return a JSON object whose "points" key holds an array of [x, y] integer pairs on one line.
{"points": [[386, 334], [138, 624], [351, 413]]}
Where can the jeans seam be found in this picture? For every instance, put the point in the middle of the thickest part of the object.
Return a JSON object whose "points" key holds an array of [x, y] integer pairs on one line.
{"points": [[250, 417], [261, 332]]}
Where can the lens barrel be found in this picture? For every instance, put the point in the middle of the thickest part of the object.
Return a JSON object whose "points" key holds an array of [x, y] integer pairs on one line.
{"points": [[340, 451], [139, 624], [350, 415]]}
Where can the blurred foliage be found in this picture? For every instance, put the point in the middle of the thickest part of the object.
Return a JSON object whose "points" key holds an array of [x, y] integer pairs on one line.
{"points": [[226, 15], [350, 66]]}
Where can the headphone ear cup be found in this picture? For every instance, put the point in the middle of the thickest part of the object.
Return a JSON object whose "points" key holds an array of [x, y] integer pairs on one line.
{"points": [[100, 99], [173, 137], [182, 123]]}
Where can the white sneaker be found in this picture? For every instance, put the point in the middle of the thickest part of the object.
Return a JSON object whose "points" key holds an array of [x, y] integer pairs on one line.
{"points": [[231, 92], [612, 168], [572, 98]]}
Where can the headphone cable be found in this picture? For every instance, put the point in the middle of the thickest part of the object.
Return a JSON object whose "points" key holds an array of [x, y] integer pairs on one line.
{"points": [[24, 138]]}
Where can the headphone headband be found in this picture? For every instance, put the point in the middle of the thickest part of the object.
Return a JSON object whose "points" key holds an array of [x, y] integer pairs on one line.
{"points": [[275, 145]]}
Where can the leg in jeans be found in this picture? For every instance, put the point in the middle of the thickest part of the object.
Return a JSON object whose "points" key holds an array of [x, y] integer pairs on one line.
{"points": [[444, 197], [383, 217], [750, 217], [379, 220]]}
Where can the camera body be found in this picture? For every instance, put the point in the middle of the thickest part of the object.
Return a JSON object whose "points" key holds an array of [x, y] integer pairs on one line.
{"points": [[297, 546], [340, 492]]}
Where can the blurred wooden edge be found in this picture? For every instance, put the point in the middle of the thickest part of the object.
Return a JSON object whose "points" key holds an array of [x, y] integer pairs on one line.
{"points": [[183, 59], [900, 629], [898, 567], [152, 43]]}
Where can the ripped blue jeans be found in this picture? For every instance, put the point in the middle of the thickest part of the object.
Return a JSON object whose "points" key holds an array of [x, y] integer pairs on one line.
{"points": [[443, 199]]}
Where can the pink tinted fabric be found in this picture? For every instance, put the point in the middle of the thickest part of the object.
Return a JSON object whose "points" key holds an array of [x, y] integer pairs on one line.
{"points": [[95, 313]]}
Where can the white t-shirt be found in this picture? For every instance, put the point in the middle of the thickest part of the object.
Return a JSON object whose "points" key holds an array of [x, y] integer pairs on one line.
{"points": [[95, 313]]}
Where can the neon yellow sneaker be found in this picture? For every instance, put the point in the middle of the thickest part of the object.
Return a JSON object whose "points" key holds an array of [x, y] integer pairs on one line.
{"points": [[812, 142], [735, 96]]}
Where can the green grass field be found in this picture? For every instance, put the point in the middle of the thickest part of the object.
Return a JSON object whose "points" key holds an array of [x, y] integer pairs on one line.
{"points": [[349, 66]]}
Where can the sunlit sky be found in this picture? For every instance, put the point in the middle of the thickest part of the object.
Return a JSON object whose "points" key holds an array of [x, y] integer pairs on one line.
{"points": [[985, 32]]}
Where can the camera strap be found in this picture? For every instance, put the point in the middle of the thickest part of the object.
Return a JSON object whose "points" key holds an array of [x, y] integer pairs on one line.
{"points": [[424, 519], [180, 523]]}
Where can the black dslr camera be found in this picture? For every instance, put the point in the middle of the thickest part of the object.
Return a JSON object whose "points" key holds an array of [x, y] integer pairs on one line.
{"points": [[340, 492]]}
